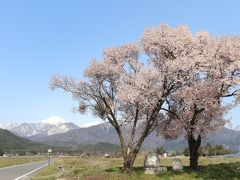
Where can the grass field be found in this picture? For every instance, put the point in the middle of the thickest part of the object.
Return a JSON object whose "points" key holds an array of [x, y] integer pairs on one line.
{"points": [[101, 169], [14, 160]]}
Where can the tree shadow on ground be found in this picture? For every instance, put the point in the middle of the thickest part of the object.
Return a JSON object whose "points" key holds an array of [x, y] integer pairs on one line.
{"points": [[211, 171], [217, 171]]}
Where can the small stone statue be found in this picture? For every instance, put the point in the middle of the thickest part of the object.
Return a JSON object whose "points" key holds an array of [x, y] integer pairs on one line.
{"points": [[152, 160], [177, 165], [152, 165]]}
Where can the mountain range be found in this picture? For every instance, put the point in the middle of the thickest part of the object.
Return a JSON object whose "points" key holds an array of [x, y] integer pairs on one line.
{"points": [[100, 133], [47, 127], [56, 132]]}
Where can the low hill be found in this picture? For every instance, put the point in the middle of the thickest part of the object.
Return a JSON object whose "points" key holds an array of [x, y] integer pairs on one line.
{"points": [[101, 147], [98, 148], [9, 141]]}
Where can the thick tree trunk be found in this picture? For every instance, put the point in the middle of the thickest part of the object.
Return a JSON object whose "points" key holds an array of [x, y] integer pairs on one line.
{"points": [[194, 145], [129, 151], [127, 164], [128, 160], [194, 155]]}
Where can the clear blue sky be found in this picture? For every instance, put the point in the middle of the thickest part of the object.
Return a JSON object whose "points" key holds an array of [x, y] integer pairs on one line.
{"points": [[45, 37]]}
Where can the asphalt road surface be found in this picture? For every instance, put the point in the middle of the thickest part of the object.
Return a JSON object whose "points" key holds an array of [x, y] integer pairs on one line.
{"points": [[226, 155], [23, 171]]}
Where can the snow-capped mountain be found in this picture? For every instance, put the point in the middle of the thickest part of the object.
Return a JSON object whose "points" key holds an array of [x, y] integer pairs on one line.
{"points": [[8, 125], [54, 120], [86, 125], [62, 128], [27, 130], [47, 127], [237, 128]]}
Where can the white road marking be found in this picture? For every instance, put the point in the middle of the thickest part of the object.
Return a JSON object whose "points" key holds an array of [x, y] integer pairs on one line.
{"points": [[31, 172], [9, 167]]}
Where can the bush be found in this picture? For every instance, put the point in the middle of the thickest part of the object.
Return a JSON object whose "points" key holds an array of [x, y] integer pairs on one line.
{"points": [[1, 152], [210, 150], [160, 151], [21, 153], [33, 152], [186, 151]]}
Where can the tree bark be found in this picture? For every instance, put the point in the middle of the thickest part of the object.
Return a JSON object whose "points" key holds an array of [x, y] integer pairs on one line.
{"points": [[194, 145], [128, 160], [130, 151], [127, 164]]}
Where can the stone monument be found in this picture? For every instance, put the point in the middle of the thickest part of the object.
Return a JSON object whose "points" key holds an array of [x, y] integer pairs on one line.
{"points": [[177, 165], [152, 165]]}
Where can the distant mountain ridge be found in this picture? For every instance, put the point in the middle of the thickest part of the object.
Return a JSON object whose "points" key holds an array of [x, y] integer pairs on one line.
{"points": [[48, 127], [237, 128], [9, 141], [103, 133], [55, 131]]}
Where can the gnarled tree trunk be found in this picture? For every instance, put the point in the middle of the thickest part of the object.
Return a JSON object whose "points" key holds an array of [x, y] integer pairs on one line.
{"points": [[128, 160], [129, 157], [194, 145]]}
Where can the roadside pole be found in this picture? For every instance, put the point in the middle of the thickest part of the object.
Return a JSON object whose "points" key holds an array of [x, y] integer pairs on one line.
{"points": [[49, 153]]}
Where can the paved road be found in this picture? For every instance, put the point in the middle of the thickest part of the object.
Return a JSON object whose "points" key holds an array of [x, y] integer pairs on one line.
{"points": [[226, 155], [23, 171]]}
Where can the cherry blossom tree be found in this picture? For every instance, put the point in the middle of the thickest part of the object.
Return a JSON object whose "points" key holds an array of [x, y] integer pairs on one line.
{"points": [[128, 92], [131, 87], [197, 108]]}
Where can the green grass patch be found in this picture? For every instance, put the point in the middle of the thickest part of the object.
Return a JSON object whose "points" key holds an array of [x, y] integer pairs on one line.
{"points": [[15, 160], [103, 169]]}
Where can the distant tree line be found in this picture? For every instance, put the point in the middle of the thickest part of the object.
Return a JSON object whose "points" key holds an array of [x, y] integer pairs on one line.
{"points": [[210, 150]]}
